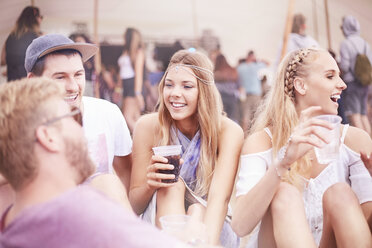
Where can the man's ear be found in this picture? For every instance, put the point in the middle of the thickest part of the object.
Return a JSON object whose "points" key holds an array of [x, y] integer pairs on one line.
{"points": [[300, 86], [48, 138]]}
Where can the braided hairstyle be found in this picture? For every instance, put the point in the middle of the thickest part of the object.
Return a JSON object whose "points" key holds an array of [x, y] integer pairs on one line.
{"points": [[279, 109]]}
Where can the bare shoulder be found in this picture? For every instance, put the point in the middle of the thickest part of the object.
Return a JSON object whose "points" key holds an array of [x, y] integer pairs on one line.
{"points": [[231, 130], [257, 142], [147, 124], [358, 140]]}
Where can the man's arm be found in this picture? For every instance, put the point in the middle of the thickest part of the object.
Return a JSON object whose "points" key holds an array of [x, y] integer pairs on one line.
{"points": [[123, 168]]}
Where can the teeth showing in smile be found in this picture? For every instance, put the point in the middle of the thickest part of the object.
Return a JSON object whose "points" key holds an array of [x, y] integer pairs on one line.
{"points": [[178, 105], [70, 97], [335, 97]]}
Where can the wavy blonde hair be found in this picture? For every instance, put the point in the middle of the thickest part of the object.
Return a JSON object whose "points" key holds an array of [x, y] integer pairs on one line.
{"points": [[279, 108], [209, 114]]}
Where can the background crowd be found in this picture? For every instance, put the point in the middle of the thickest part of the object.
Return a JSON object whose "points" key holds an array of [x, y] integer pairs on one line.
{"points": [[122, 75]]}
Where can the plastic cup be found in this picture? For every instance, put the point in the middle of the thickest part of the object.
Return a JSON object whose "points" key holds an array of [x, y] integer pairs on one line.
{"points": [[185, 228], [175, 225], [329, 152], [173, 154]]}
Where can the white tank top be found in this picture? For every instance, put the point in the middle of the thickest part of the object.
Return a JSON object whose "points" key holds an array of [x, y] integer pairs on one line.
{"points": [[126, 69]]}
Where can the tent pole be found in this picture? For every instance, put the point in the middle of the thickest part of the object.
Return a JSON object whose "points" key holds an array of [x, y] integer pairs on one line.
{"points": [[288, 27], [97, 57], [327, 24]]}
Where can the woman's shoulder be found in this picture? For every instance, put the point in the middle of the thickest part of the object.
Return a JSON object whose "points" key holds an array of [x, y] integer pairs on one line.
{"points": [[358, 140], [148, 122], [257, 142], [229, 127]]}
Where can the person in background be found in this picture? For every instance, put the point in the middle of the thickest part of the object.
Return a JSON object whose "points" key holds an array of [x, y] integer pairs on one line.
{"points": [[44, 157], [298, 201], [355, 96], [226, 80], [90, 73], [13, 52], [250, 88], [298, 37], [132, 69], [110, 145], [26, 29], [189, 114]]}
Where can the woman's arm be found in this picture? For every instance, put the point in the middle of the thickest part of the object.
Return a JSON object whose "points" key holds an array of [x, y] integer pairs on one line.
{"points": [[229, 147], [360, 142], [367, 160], [251, 207], [139, 193], [145, 179], [138, 79]]}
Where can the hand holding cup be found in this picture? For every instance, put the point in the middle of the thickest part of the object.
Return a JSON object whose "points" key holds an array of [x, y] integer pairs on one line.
{"points": [[165, 166], [305, 136]]}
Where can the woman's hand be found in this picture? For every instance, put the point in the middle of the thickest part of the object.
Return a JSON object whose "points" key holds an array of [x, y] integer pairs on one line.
{"points": [[154, 177], [367, 160], [305, 136]]}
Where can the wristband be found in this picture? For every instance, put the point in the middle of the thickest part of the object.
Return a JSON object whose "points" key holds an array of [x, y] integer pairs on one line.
{"points": [[281, 154], [137, 93], [277, 171]]}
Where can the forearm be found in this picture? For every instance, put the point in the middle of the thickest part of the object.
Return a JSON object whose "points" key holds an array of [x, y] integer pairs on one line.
{"points": [[214, 219], [139, 198], [251, 207], [138, 82]]}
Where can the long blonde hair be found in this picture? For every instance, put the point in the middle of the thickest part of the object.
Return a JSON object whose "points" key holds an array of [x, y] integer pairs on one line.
{"points": [[209, 114], [279, 108]]}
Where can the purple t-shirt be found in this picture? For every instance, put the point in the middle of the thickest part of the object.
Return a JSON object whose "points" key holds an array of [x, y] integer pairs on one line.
{"points": [[79, 218]]}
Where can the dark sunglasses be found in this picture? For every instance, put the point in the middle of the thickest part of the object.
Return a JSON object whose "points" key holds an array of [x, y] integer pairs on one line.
{"points": [[75, 113]]}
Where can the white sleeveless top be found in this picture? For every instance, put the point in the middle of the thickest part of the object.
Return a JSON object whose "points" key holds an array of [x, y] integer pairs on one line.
{"points": [[347, 168], [126, 68]]}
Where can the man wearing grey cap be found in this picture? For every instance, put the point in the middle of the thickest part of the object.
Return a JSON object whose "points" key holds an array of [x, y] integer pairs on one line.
{"points": [[56, 56]]}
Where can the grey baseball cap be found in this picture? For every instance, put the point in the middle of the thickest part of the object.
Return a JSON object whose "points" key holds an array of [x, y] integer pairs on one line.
{"points": [[46, 44]]}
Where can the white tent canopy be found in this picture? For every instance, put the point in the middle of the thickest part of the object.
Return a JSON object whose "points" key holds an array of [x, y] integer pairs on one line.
{"points": [[240, 25]]}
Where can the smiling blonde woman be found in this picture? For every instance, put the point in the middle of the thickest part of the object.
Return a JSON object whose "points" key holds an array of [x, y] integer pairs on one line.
{"points": [[190, 114]]}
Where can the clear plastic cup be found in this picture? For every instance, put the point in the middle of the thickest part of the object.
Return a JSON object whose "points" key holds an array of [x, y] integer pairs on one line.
{"points": [[175, 225], [173, 154], [185, 228], [329, 152]]}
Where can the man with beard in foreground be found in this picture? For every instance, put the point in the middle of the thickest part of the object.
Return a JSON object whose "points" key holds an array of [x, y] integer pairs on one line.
{"points": [[44, 157]]}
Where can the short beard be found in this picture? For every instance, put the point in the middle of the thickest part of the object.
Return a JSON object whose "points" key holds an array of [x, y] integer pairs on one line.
{"points": [[78, 157]]}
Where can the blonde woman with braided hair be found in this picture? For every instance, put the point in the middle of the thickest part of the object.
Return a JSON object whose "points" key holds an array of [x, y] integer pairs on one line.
{"points": [[296, 201], [189, 114]]}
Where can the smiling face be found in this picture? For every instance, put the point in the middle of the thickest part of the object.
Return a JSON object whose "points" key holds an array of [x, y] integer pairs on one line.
{"points": [[69, 70], [180, 93], [322, 85]]}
